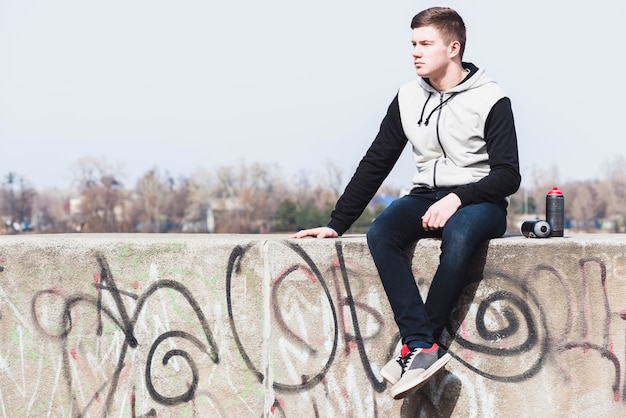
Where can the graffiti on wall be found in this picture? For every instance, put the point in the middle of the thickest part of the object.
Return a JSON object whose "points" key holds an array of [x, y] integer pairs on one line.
{"points": [[126, 322], [273, 336]]}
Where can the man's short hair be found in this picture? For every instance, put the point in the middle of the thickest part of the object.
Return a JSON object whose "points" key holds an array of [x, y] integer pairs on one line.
{"points": [[446, 20]]}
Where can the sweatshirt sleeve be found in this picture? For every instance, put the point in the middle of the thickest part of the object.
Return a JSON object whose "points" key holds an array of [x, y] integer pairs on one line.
{"points": [[504, 177], [374, 167]]}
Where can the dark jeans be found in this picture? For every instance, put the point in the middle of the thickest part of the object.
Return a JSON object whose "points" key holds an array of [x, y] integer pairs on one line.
{"points": [[400, 225]]}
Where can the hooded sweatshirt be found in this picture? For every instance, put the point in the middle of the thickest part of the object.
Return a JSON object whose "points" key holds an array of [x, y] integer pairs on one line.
{"points": [[463, 140]]}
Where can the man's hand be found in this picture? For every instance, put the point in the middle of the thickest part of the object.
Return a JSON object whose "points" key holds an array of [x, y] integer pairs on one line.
{"points": [[438, 214], [321, 232]]}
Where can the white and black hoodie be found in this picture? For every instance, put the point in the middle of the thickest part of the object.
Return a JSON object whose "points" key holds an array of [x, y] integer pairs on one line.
{"points": [[463, 140]]}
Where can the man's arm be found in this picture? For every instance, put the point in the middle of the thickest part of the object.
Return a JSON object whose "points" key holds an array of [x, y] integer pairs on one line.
{"points": [[504, 178]]}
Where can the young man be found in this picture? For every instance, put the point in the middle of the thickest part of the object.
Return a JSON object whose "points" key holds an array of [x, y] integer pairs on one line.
{"points": [[460, 125]]}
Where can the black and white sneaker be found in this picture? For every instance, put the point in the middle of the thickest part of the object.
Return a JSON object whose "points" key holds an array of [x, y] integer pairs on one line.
{"points": [[419, 365]]}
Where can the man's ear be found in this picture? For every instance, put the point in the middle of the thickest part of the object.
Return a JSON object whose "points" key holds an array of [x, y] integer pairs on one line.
{"points": [[455, 49]]}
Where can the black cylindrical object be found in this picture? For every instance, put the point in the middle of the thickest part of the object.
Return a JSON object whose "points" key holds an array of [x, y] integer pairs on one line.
{"points": [[535, 229], [555, 212]]}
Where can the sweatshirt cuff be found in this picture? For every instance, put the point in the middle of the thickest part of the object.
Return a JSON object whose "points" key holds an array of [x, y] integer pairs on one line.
{"points": [[463, 195], [334, 225]]}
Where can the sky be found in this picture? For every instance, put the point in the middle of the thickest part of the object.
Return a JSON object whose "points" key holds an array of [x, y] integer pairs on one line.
{"points": [[187, 85]]}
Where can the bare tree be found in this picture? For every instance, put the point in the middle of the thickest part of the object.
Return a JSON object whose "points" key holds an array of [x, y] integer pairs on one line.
{"points": [[583, 204], [159, 202], [543, 178], [51, 211], [303, 184], [150, 202], [613, 189], [102, 196], [334, 178], [17, 197], [245, 198], [198, 215], [178, 202]]}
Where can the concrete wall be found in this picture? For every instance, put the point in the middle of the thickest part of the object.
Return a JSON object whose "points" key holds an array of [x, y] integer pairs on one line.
{"points": [[250, 326]]}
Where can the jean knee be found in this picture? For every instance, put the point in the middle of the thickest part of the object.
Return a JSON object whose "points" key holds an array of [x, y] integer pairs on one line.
{"points": [[372, 235], [460, 237], [458, 245]]}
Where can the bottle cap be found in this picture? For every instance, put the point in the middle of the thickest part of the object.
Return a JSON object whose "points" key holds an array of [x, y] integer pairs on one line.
{"points": [[555, 191]]}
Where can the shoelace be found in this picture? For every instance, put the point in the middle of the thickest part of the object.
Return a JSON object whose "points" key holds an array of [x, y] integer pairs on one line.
{"points": [[404, 361]]}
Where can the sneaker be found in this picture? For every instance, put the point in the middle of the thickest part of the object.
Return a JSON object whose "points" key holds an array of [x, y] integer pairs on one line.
{"points": [[420, 364], [392, 371]]}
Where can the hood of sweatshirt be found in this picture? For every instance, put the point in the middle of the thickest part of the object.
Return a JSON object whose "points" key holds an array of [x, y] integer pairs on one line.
{"points": [[475, 78]]}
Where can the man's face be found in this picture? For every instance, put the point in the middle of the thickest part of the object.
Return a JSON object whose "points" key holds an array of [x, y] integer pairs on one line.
{"points": [[431, 56]]}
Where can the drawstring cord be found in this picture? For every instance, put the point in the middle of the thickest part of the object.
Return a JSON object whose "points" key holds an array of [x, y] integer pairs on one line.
{"points": [[439, 106], [419, 122]]}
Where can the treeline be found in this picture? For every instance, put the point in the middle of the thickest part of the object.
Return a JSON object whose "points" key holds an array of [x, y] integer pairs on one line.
{"points": [[244, 198], [257, 198]]}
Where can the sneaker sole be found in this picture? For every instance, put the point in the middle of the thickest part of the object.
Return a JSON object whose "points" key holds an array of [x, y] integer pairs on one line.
{"points": [[423, 378]]}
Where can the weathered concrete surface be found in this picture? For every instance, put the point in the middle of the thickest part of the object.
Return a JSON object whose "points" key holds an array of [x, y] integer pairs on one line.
{"points": [[249, 326]]}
